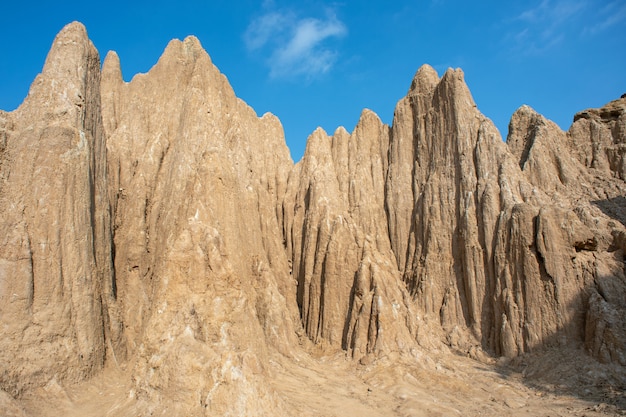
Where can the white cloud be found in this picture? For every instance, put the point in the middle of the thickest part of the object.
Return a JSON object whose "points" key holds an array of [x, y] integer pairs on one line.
{"points": [[550, 23], [295, 46], [608, 16], [261, 30], [552, 12], [543, 26]]}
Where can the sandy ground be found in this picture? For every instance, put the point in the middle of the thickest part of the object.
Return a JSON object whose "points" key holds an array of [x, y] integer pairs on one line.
{"points": [[453, 385], [553, 383]]}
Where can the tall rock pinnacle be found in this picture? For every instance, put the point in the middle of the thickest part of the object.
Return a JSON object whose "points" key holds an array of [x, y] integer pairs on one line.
{"points": [[56, 239]]}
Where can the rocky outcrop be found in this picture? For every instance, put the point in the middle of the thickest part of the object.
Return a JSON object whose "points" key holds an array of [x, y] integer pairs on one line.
{"points": [[443, 199], [574, 167], [598, 137], [202, 282], [161, 225], [492, 244], [349, 292], [55, 242]]}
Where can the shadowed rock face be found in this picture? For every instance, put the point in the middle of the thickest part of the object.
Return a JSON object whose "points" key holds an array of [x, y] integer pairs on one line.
{"points": [[162, 224]]}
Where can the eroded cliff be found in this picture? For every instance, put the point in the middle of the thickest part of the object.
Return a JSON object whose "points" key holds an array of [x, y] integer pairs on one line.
{"points": [[55, 250], [160, 226]]}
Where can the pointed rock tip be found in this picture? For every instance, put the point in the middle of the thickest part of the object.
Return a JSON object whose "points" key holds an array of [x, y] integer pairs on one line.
{"points": [[340, 131], [112, 57], [369, 114], [525, 109], [192, 42], [425, 79], [527, 113], [526, 119], [319, 131], [368, 117], [270, 116], [74, 28], [272, 119], [71, 34], [427, 71], [70, 46], [111, 68], [189, 46], [65, 72], [453, 86], [453, 74], [192, 39], [316, 141]]}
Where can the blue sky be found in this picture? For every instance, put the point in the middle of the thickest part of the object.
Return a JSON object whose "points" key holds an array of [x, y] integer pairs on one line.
{"points": [[319, 63]]}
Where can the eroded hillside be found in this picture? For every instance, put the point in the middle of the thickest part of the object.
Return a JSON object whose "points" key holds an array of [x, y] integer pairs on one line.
{"points": [[160, 253]]}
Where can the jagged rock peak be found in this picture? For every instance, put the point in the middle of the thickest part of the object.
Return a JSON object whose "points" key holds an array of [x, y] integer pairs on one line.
{"points": [[68, 48], [529, 116], [368, 114], [185, 51], [526, 110], [524, 121], [187, 48], [318, 141], [453, 88], [520, 139], [73, 33], [599, 136], [69, 54], [340, 132], [111, 68], [368, 119], [177, 55], [425, 79], [610, 111]]}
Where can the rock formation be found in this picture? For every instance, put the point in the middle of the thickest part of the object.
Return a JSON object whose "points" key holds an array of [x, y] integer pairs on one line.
{"points": [[200, 267], [55, 244], [160, 225]]}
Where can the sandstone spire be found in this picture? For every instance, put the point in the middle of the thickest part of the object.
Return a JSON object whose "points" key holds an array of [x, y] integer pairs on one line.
{"points": [[55, 248], [201, 272]]}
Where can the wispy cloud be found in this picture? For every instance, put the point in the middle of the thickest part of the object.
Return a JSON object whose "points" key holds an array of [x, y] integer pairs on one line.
{"points": [[264, 28], [609, 16], [552, 11], [538, 29], [295, 46]]}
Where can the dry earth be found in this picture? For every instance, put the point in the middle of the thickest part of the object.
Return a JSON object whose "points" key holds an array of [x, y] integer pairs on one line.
{"points": [[568, 384]]}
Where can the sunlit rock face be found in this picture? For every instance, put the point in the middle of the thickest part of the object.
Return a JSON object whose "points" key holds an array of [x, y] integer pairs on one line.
{"points": [[55, 235]]}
